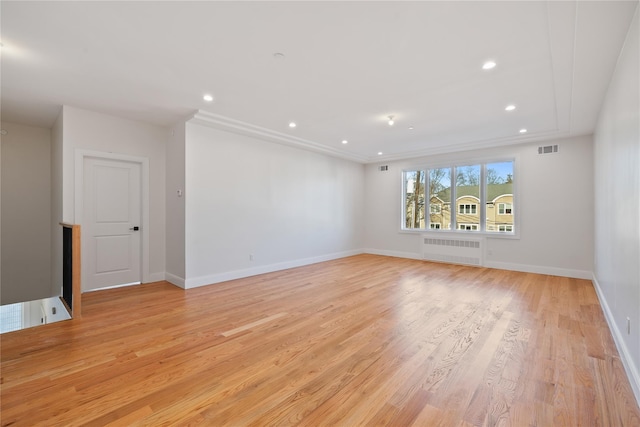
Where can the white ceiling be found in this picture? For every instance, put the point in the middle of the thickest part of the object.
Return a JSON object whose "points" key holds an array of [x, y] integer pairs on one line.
{"points": [[346, 67]]}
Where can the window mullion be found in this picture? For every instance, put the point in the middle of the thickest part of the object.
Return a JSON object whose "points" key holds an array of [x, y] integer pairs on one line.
{"points": [[483, 197], [427, 200], [454, 202]]}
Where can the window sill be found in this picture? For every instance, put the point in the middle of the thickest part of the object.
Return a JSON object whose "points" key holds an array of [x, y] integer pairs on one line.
{"points": [[460, 233]]}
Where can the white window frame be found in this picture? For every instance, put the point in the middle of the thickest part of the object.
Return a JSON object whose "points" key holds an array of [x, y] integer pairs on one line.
{"points": [[472, 227], [481, 212], [505, 226], [472, 207], [435, 211], [434, 226], [504, 208]]}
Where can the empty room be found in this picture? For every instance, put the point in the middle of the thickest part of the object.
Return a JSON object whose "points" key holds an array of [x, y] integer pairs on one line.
{"points": [[320, 213]]}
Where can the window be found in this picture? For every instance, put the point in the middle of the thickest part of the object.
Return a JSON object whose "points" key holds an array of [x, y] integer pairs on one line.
{"points": [[505, 209], [414, 199], [467, 180], [468, 209], [439, 197], [499, 212], [471, 197], [468, 227]]}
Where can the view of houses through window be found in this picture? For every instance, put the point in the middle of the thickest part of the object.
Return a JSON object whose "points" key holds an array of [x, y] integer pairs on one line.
{"points": [[471, 198]]}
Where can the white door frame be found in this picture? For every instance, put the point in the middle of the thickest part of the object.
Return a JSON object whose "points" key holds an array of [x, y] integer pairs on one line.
{"points": [[80, 155]]}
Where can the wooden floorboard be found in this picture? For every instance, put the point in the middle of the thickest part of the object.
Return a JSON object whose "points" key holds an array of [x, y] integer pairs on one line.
{"points": [[364, 340]]}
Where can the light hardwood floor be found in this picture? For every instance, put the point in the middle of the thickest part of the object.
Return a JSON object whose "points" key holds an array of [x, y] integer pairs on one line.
{"points": [[365, 340]]}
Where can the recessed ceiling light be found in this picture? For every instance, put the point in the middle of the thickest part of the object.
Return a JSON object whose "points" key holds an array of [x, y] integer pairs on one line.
{"points": [[379, 153], [278, 55], [208, 97], [391, 122], [510, 107], [344, 141], [292, 124], [523, 130], [489, 65], [410, 127]]}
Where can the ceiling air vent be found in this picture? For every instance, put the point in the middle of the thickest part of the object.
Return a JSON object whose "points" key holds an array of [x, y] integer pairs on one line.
{"points": [[547, 149], [383, 168]]}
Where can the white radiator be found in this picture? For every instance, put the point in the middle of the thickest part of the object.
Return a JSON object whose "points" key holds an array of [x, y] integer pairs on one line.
{"points": [[455, 250]]}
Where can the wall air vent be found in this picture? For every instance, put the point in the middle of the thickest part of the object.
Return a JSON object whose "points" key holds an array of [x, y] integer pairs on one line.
{"points": [[548, 149], [383, 168]]}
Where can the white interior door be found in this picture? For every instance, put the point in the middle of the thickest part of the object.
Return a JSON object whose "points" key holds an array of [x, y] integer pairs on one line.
{"points": [[111, 229]]}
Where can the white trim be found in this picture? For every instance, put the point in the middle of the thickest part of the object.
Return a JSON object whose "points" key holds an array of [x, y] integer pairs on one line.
{"points": [[228, 124], [483, 161], [194, 282], [551, 271], [539, 269], [475, 145], [80, 155], [444, 233], [124, 285], [633, 371], [396, 254], [175, 280]]}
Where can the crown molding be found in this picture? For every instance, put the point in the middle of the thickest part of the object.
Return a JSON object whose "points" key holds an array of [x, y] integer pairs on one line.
{"points": [[473, 145], [228, 124]]}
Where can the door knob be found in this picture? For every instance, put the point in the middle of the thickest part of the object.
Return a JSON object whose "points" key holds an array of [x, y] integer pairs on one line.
{"points": [[136, 228]]}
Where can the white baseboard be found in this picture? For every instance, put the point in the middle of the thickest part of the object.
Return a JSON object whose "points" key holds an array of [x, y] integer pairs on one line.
{"points": [[174, 280], [539, 269], [397, 254], [633, 371], [155, 277], [194, 282], [552, 271]]}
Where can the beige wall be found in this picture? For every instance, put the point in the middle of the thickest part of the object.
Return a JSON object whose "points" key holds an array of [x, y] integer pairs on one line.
{"points": [[26, 213]]}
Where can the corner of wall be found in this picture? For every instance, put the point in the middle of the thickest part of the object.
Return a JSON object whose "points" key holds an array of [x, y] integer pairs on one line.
{"points": [[56, 204], [633, 371]]}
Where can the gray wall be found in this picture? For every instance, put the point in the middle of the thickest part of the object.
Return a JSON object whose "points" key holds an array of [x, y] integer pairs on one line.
{"points": [[617, 205], [26, 213], [554, 204], [89, 131], [253, 206]]}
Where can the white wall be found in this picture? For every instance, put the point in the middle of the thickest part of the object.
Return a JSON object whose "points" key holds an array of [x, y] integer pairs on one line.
{"points": [[617, 205], [554, 206], [284, 205], [87, 130], [175, 256], [26, 213]]}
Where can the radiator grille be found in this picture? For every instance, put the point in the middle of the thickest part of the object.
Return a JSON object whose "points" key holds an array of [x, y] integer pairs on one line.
{"points": [[453, 250]]}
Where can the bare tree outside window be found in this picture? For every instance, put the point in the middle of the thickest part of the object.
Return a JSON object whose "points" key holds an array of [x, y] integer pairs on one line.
{"points": [[414, 200]]}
